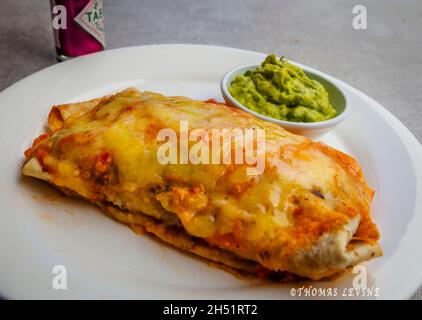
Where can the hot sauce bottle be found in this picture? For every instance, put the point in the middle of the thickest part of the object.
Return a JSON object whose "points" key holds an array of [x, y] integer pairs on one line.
{"points": [[78, 27]]}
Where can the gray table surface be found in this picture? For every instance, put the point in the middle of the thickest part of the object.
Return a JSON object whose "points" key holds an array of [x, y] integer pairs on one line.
{"points": [[384, 61]]}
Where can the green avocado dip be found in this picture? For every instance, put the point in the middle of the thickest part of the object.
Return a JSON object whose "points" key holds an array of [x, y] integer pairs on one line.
{"points": [[280, 90]]}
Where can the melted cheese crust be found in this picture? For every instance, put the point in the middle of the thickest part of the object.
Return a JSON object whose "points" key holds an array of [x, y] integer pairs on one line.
{"points": [[105, 150]]}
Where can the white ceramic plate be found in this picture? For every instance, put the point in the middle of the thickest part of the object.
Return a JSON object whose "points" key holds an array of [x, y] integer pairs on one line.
{"points": [[40, 228]]}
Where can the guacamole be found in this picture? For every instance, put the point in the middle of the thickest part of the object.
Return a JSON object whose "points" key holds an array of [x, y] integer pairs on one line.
{"points": [[280, 90]]}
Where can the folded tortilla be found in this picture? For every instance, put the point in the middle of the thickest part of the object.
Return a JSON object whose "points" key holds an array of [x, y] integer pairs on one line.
{"points": [[307, 214]]}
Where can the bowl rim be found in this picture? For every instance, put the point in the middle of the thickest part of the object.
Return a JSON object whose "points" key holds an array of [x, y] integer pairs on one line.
{"points": [[291, 124]]}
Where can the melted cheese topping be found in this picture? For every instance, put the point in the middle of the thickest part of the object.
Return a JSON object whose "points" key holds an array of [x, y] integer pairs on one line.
{"points": [[107, 152]]}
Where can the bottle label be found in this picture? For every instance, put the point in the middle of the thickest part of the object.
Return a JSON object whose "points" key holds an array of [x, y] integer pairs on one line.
{"points": [[91, 20]]}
